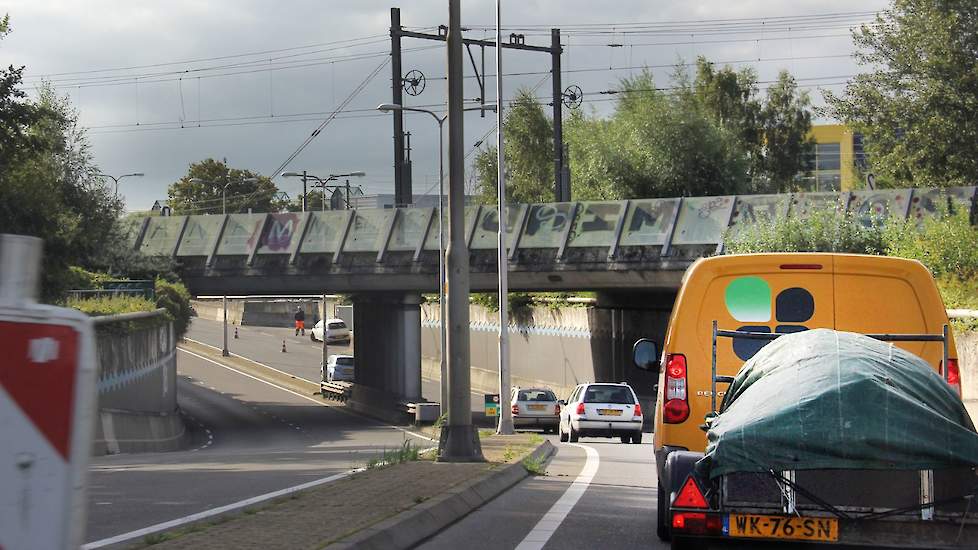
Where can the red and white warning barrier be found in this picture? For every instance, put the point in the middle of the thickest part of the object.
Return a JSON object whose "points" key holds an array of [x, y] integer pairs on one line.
{"points": [[47, 408]]}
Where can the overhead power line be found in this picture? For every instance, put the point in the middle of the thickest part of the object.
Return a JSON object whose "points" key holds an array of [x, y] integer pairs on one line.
{"points": [[347, 43], [330, 118]]}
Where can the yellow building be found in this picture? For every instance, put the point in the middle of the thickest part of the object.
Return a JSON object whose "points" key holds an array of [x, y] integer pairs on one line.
{"points": [[835, 159]]}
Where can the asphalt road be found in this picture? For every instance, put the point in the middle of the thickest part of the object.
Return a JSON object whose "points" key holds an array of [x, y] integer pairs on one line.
{"points": [[250, 438], [617, 509], [302, 357]]}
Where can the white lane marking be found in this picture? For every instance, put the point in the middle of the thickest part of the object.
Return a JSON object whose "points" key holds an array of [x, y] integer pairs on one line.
{"points": [[215, 511], [307, 398], [545, 528]]}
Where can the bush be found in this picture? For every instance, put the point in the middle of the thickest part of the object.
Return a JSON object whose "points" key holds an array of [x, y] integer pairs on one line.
{"points": [[173, 297], [111, 305], [824, 231], [947, 245]]}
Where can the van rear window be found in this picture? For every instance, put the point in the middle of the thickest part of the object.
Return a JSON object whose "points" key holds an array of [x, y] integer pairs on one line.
{"points": [[609, 394]]}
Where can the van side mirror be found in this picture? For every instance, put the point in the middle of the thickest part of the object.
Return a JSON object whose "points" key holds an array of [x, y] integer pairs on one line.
{"points": [[645, 354]]}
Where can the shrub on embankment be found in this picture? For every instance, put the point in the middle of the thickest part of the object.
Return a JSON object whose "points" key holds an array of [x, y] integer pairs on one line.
{"points": [[947, 245], [171, 296]]}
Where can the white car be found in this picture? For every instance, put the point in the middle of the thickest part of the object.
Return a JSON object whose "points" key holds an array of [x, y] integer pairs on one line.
{"points": [[601, 410], [339, 368], [336, 332]]}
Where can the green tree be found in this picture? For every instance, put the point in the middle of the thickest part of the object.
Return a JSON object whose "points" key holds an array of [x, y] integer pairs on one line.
{"points": [[246, 190], [656, 144], [785, 121], [917, 106], [52, 190], [528, 135], [773, 132], [17, 115]]}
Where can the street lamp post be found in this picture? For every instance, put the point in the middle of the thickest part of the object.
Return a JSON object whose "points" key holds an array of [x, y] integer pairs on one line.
{"points": [[116, 179], [386, 108], [505, 426], [224, 210]]}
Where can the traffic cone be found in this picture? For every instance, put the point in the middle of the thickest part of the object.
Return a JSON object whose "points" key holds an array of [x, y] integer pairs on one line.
{"points": [[283, 345], [235, 333]]}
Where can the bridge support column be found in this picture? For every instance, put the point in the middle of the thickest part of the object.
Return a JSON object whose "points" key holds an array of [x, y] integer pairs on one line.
{"points": [[387, 345]]}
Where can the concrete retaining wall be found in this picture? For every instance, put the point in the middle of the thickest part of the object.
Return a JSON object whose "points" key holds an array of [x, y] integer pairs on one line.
{"points": [[555, 348], [268, 313], [137, 385]]}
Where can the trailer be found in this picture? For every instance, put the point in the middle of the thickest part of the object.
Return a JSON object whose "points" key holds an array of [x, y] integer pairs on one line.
{"points": [[831, 437]]}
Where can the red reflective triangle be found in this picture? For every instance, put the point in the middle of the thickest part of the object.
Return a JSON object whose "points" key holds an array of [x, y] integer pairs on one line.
{"points": [[38, 372], [690, 495]]}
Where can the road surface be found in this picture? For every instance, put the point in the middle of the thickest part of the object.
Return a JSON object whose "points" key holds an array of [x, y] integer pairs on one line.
{"points": [[249, 438], [302, 358]]}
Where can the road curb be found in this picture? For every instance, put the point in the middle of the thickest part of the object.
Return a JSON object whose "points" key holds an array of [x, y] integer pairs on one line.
{"points": [[407, 529]]}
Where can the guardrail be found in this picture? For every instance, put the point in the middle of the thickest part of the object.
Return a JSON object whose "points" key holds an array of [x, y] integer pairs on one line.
{"points": [[340, 391]]}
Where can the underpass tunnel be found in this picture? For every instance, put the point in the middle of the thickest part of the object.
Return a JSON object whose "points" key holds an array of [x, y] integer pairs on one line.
{"points": [[617, 321]]}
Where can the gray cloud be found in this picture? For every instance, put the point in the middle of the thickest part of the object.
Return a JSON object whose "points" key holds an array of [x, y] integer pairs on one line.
{"points": [[53, 37]]}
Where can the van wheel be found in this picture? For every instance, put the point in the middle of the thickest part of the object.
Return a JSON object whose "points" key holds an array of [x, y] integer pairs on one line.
{"points": [[662, 519], [560, 434], [312, 336], [637, 438], [574, 436]]}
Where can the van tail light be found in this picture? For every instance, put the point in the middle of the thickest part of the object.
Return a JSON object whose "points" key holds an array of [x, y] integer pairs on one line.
{"points": [[580, 408], [953, 375], [516, 409], [638, 409], [676, 408]]}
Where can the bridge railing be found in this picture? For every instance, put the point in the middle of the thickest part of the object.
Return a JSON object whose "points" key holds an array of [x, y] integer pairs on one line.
{"points": [[664, 223]]}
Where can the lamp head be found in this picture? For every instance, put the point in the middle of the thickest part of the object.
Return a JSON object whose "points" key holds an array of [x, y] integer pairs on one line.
{"points": [[388, 107], [290, 174]]}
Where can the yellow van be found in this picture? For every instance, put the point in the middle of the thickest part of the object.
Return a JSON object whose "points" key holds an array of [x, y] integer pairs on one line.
{"points": [[776, 293]]}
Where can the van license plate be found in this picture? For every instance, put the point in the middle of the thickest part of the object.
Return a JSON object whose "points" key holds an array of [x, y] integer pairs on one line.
{"points": [[781, 527], [610, 412]]}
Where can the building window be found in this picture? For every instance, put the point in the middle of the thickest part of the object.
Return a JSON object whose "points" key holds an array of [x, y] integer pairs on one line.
{"points": [[827, 156]]}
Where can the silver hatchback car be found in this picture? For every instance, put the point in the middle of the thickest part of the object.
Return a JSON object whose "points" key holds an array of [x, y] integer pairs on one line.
{"points": [[535, 408]]}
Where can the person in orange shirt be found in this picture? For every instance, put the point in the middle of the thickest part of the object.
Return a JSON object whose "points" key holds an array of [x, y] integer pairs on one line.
{"points": [[300, 321]]}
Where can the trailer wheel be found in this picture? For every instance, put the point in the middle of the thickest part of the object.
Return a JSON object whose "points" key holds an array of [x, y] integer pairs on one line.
{"points": [[662, 519]]}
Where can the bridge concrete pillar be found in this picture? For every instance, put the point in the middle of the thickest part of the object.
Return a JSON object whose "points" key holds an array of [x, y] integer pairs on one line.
{"points": [[387, 344]]}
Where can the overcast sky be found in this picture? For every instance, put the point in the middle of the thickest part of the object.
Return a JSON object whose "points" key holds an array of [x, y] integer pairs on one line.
{"points": [[164, 84]]}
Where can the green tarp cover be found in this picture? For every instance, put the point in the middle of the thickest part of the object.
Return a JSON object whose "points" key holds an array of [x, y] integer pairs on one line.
{"points": [[823, 399]]}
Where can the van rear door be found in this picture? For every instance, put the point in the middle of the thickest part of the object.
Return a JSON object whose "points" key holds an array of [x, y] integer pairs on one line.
{"points": [[889, 295]]}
